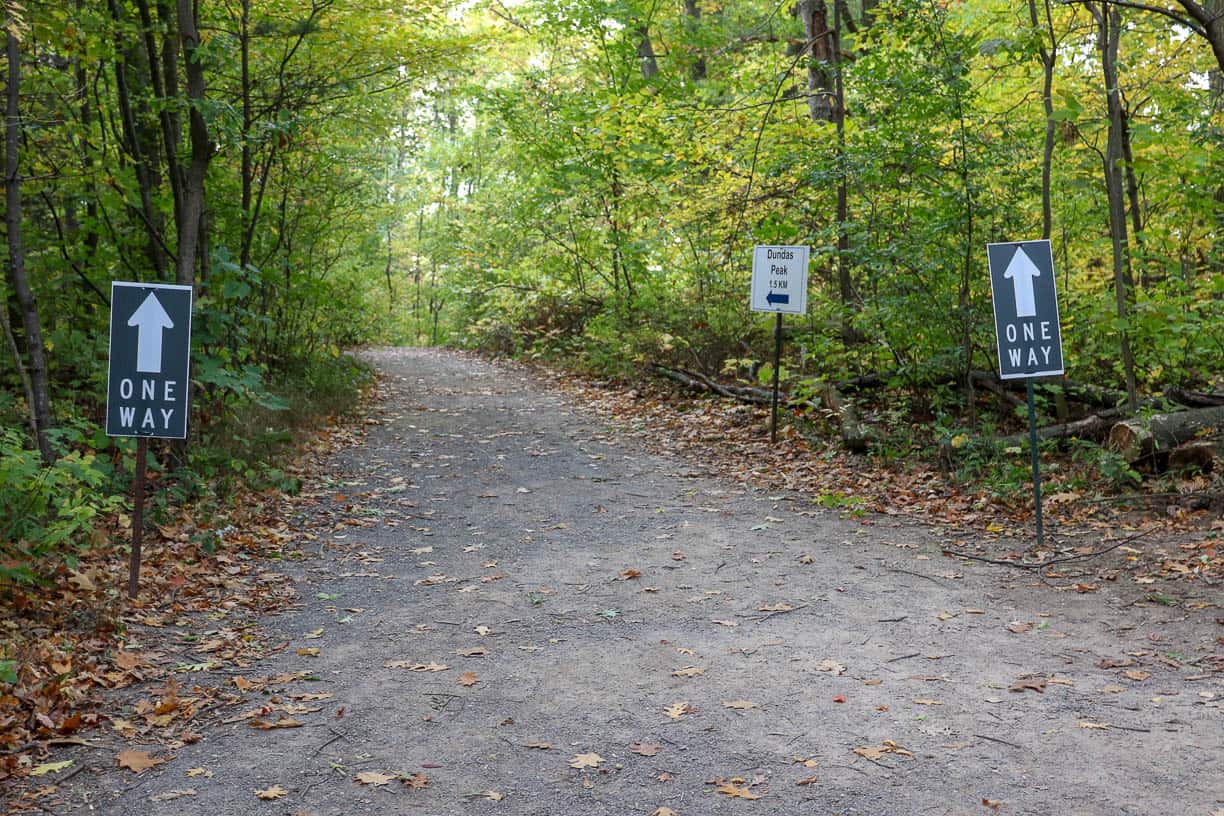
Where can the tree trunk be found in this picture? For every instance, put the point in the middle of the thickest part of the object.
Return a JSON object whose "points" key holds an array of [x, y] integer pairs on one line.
{"points": [[39, 391], [697, 70], [192, 219], [1109, 23], [646, 54], [1136, 439], [819, 44]]}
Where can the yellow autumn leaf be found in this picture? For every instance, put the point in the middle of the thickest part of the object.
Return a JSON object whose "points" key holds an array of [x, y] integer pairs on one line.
{"points": [[51, 767], [274, 792]]}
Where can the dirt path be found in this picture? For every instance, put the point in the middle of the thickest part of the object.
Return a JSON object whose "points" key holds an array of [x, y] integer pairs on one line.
{"points": [[695, 644]]}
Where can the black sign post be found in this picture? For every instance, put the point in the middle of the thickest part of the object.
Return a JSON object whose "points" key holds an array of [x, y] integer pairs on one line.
{"points": [[1027, 328], [148, 379]]}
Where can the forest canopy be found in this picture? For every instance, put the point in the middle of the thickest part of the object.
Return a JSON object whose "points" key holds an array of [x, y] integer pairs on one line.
{"points": [[584, 182]]}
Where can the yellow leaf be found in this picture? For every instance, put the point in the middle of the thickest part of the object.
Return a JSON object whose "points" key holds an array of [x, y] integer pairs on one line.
{"points": [[736, 793], [688, 671], [675, 710], [311, 652], [586, 761], [274, 792], [1096, 725], [373, 778], [51, 767]]}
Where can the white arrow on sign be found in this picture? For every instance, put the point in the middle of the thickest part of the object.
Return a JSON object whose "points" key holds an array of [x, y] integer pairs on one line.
{"points": [[1021, 270], [150, 320]]}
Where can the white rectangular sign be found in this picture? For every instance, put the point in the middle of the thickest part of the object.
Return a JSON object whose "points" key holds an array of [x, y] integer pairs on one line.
{"points": [[779, 279]]}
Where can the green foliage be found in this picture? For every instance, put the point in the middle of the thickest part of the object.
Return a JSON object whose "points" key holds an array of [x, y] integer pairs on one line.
{"points": [[50, 511]]}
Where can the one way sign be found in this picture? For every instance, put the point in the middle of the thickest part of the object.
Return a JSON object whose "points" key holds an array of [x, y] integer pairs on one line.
{"points": [[150, 360], [1025, 309]]}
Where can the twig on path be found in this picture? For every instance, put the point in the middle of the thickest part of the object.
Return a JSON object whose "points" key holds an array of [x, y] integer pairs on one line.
{"points": [[1000, 741], [781, 612], [1131, 728], [903, 657], [339, 735], [918, 574], [892, 620], [1003, 562]]}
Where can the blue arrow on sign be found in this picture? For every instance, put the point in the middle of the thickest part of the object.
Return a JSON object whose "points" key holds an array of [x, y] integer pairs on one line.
{"points": [[150, 320], [774, 297]]}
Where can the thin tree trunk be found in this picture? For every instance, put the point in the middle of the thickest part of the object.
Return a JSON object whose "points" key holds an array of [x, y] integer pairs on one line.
{"points": [[1109, 23], [191, 222], [697, 70], [646, 54], [38, 390], [815, 18], [845, 284]]}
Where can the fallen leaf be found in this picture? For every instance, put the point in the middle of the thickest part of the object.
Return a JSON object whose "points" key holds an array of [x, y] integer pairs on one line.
{"points": [[735, 792], [926, 702], [204, 772], [475, 651], [139, 761], [807, 780], [274, 792], [1019, 626], [375, 778], [1093, 725], [51, 767], [493, 796], [993, 804], [416, 781], [468, 679], [483, 630], [663, 811], [688, 671], [415, 667], [1136, 674], [1023, 684], [726, 622], [171, 795], [675, 710], [314, 634], [645, 748], [311, 652], [839, 698], [739, 705], [586, 761], [832, 667], [629, 574], [778, 607], [539, 746]]}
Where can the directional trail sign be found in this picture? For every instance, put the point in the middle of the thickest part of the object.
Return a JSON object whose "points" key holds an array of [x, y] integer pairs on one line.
{"points": [[150, 357], [1025, 309], [779, 279]]}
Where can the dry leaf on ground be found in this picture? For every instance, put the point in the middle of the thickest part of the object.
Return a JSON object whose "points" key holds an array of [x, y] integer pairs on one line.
{"points": [[139, 761], [675, 710], [688, 671], [645, 748], [468, 679], [586, 761], [274, 792], [736, 792], [373, 778]]}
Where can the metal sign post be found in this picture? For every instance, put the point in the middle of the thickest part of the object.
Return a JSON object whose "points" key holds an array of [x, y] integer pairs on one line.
{"points": [[1027, 328], [779, 285], [148, 379]]}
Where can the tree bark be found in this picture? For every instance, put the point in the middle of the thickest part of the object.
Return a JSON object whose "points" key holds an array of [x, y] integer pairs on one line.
{"points": [[646, 54], [697, 69], [39, 391], [1136, 440], [1109, 25], [819, 45], [192, 218]]}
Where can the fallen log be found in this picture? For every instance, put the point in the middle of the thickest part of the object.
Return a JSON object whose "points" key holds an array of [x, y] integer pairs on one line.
{"points": [[1094, 427], [854, 435], [1136, 440], [1193, 399]]}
